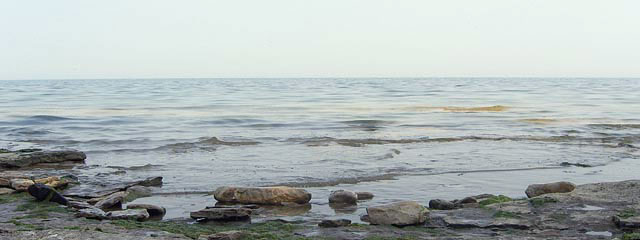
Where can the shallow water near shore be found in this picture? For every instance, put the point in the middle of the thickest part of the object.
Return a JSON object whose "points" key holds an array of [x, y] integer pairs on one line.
{"points": [[402, 139]]}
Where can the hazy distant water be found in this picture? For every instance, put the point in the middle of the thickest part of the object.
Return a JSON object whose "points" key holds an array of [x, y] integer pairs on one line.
{"points": [[322, 131]]}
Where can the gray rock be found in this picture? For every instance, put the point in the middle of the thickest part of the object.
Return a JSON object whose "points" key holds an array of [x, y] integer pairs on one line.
{"points": [[153, 210], [399, 214], [4, 191], [440, 204], [79, 204], [21, 185], [4, 182], [334, 223], [18, 159], [222, 214], [8, 228], [112, 201], [229, 235], [535, 190], [364, 195], [129, 214], [343, 197], [91, 213]]}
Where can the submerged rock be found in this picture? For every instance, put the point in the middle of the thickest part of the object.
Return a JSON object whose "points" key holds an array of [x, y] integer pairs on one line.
{"points": [[535, 190], [149, 182], [262, 195], [334, 223], [399, 214], [440, 204], [129, 214], [364, 195], [223, 214], [43, 192], [21, 185], [18, 159], [343, 197], [112, 201], [153, 210]]}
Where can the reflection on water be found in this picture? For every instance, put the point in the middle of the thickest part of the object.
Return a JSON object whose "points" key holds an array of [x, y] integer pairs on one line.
{"points": [[324, 133]]}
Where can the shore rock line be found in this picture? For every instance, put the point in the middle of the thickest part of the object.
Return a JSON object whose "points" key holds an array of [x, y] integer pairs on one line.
{"points": [[262, 195], [28, 157]]}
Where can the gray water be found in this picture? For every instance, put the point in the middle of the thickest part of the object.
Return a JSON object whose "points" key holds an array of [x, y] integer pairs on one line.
{"points": [[399, 138]]}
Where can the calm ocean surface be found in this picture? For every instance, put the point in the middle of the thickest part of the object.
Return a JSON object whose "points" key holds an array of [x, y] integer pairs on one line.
{"points": [[435, 137]]}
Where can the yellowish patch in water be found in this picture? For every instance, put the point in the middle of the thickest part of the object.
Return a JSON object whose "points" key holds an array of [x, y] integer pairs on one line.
{"points": [[539, 120], [496, 108]]}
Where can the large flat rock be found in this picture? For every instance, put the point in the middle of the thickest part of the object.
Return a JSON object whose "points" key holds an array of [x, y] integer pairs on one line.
{"points": [[262, 195], [25, 158]]}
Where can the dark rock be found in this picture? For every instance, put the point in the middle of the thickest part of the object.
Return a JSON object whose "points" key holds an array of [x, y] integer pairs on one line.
{"points": [[468, 200], [43, 192], [334, 223], [441, 204], [567, 164], [343, 197], [18, 159], [627, 223], [364, 195], [223, 214], [153, 210]]}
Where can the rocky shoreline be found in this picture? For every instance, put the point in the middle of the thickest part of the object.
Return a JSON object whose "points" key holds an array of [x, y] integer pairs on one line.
{"points": [[52, 206]]}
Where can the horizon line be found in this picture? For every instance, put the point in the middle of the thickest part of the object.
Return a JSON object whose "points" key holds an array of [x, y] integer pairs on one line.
{"points": [[220, 78]]}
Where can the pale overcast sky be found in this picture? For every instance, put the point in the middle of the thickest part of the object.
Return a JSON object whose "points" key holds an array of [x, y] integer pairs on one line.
{"points": [[69, 39]]}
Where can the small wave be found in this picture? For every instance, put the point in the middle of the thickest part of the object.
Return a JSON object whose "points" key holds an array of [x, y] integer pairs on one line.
{"points": [[326, 141], [539, 120], [620, 126], [205, 144], [394, 174], [269, 125], [28, 132], [338, 181], [496, 108], [135, 168], [49, 118]]}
